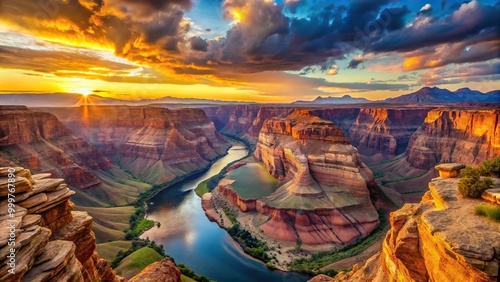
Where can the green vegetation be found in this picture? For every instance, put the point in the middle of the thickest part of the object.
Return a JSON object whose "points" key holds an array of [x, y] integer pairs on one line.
{"points": [[490, 211], [108, 251], [378, 174], [231, 216], [312, 264], [191, 275], [137, 261], [202, 188], [250, 244], [471, 185], [136, 245], [490, 168], [412, 192], [184, 278]]}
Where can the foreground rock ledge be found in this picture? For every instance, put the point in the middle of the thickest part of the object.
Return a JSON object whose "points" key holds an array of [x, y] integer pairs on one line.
{"points": [[53, 242], [439, 239]]}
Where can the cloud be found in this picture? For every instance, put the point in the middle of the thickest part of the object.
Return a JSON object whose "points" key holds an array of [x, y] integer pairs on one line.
{"points": [[333, 71], [427, 8], [198, 44], [353, 64], [473, 72], [471, 19]]}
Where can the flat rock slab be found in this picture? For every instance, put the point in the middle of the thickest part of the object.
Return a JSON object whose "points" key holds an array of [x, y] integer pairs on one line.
{"points": [[492, 195], [450, 167]]}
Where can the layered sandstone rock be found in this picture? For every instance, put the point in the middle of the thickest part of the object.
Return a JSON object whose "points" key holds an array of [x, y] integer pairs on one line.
{"points": [[386, 131], [47, 240], [323, 195], [463, 136], [154, 144], [160, 271], [439, 239], [38, 140]]}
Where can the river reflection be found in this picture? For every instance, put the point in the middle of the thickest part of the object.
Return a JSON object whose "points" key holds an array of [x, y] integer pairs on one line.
{"points": [[189, 237]]}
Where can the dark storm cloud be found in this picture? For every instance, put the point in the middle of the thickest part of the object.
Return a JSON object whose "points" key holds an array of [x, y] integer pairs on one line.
{"points": [[470, 20], [198, 44], [354, 63]]}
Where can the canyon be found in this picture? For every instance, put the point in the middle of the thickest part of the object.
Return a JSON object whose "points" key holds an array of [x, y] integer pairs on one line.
{"points": [[44, 239], [156, 145], [438, 239], [315, 166], [322, 195]]}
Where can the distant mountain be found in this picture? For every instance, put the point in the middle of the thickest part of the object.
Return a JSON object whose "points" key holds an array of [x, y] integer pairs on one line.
{"points": [[74, 100], [346, 99], [435, 95]]}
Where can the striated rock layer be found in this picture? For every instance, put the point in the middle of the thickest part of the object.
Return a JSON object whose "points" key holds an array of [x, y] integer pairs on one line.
{"points": [[439, 239], [385, 131], [47, 239], [463, 136], [322, 195], [154, 144], [38, 140], [370, 129]]}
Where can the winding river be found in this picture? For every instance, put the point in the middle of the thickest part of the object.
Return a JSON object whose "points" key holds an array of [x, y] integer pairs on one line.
{"points": [[190, 238]]}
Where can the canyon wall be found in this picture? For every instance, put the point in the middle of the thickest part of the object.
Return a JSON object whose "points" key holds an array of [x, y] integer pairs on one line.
{"points": [[385, 131], [455, 135], [45, 239], [38, 140], [323, 191], [371, 130], [439, 239], [154, 144]]}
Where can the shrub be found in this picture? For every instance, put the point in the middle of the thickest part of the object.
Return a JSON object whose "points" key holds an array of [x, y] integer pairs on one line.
{"points": [[490, 211], [471, 185], [490, 167]]}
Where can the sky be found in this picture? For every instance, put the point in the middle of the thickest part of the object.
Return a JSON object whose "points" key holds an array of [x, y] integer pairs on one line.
{"points": [[248, 50]]}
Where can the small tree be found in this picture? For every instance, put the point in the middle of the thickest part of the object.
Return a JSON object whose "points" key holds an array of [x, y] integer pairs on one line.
{"points": [[471, 185]]}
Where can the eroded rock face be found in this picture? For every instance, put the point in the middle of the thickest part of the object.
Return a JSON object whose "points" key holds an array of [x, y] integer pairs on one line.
{"points": [[323, 195], [51, 242], [386, 131], [154, 144], [439, 239], [160, 271], [462, 136], [38, 140]]}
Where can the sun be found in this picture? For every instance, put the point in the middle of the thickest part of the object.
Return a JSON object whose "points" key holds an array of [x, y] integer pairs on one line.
{"points": [[84, 91]]}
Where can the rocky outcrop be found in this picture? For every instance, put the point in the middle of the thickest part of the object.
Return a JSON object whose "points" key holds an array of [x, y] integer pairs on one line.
{"points": [[385, 131], [370, 129], [322, 195], [160, 271], [154, 144], [463, 136], [38, 140], [439, 239], [41, 237]]}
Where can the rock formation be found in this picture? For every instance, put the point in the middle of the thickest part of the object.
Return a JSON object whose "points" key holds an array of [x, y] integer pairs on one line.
{"points": [[160, 271], [463, 136], [385, 131], [322, 195], [154, 144], [41, 235], [38, 140], [439, 239]]}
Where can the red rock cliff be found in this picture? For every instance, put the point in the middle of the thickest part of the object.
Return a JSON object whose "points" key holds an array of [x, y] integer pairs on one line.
{"points": [[41, 142], [386, 131], [463, 136], [323, 196], [155, 144], [439, 239]]}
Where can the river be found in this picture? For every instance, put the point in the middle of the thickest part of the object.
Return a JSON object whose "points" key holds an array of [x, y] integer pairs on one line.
{"points": [[190, 238]]}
